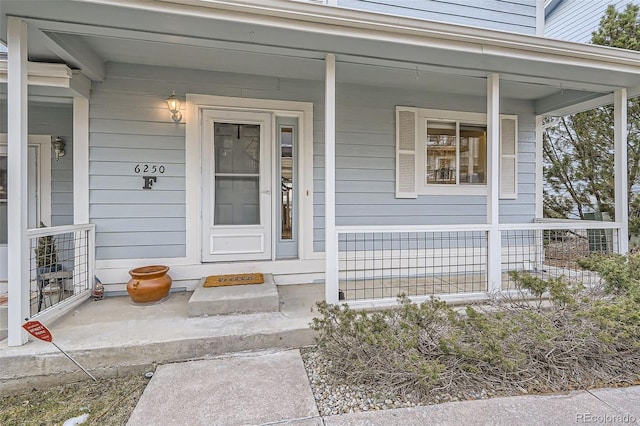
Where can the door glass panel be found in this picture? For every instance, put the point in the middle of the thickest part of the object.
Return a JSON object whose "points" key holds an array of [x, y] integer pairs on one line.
{"points": [[237, 174], [286, 184]]}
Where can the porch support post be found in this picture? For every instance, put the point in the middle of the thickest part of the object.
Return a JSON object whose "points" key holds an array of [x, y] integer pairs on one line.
{"points": [[331, 238], [81, 265], [17, 242], [80, 160], [494, 243], [539, 167], [621, 168]]}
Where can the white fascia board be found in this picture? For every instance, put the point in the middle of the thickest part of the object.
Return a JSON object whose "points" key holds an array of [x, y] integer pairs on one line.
{"points": [[42, 74], [380, 27]]}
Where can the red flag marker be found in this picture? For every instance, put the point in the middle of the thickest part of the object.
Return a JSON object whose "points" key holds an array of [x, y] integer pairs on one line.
{"points": [[39, 331]]}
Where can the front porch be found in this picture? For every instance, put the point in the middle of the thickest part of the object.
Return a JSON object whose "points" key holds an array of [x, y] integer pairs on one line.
{"points": [[377, 210]]}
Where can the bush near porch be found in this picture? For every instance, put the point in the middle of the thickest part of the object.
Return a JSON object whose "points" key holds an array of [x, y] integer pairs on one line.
{"points": [[567, 337]]}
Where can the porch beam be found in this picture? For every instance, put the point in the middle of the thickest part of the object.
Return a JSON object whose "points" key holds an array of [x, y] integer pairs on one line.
{"points": [[17, 242], [494, 265], [72, 48], [621, 168], [331, 238]]}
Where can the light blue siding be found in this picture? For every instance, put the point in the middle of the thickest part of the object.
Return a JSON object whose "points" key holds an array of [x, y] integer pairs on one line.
{"points": [[506, 15], [575, 20], [130, 124], [365, 163], [54, 120]]}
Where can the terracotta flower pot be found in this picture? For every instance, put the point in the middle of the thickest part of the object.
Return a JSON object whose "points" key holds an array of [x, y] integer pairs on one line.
{"points": [[149, 283]]}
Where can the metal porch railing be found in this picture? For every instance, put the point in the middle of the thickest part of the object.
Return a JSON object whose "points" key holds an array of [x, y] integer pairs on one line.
{"points": [[377, 263], [61, 265]]}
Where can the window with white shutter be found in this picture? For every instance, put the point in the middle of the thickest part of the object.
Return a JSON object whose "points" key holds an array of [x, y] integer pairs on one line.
{"points": [[444, 153], [406, 131], [508, 157]]}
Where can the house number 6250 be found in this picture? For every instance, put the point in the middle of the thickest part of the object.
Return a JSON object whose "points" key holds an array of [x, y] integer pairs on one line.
{"points": [[148, 168]]}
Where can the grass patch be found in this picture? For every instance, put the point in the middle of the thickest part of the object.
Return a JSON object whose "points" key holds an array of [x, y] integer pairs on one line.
{"points": [[107, 401]]}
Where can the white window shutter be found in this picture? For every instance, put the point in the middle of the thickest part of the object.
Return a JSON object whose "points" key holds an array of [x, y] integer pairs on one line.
{"points": [[406, 133], [508, 157]]}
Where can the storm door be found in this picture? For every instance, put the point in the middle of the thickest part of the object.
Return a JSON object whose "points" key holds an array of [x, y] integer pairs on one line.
{"points": [[236, 171]]}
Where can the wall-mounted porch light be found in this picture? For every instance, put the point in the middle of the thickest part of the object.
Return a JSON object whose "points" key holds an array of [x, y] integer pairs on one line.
{"points": [[174, 106], [58, 147]]}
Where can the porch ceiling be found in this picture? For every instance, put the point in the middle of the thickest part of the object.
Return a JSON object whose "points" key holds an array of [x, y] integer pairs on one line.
{"points": [[417, 55]]}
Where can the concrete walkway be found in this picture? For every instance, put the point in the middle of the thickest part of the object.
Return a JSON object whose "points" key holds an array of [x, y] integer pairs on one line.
{"points": [[268, 388]]}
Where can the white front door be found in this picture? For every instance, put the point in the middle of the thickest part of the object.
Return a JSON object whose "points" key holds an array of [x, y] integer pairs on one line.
{"points": [[236, 189]]}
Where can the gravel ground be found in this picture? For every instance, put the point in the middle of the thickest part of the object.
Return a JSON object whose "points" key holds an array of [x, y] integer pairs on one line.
{"points": [[334, 397]]}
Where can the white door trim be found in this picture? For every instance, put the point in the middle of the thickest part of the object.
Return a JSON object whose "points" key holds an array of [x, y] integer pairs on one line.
{"points": [[193, 176], [43, 142]]}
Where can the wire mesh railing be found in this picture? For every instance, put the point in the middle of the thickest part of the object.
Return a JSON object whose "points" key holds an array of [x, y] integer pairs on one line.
{"points": [[61, 265], [556, 249], [377, 263]]}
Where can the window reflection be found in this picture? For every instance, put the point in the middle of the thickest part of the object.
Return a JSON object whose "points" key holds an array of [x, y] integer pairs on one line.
{"points": [[456, 153], [286, 185]]}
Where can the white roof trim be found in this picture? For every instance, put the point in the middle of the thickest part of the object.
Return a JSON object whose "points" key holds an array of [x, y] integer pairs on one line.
{"points": [[42, 74], [374, 26]]}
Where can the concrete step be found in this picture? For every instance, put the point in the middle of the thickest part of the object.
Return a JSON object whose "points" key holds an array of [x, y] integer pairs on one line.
{"points": [[236, 299]]}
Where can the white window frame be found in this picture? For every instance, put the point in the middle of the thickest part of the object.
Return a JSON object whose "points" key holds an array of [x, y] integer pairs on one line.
{"points": [[423, 188], [422, 117]]}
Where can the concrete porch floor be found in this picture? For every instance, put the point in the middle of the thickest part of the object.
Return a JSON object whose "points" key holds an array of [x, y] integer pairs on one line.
{"points": [[112, 337]]}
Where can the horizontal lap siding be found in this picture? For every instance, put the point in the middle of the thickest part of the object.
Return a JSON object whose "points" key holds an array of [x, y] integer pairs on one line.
{"points": [[365, 164], [505, 15], [575, 20], [130, 125]]}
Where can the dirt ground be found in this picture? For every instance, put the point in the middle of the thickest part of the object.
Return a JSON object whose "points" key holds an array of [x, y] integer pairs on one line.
{"points": [[107, 401]]}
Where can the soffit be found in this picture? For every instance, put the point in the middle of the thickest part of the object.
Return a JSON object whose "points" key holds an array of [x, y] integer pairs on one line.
{"points": [[293, 50]]}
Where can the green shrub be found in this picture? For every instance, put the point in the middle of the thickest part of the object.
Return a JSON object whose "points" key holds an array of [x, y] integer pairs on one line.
{"points": [[621, 274], [577, 341]]}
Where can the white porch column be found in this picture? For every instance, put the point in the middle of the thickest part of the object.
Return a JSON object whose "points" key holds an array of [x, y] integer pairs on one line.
{"points": [[18, 244], [80, 160], [494, 262], [539, 167], [621, 167], [330, 237], [81, 273]]}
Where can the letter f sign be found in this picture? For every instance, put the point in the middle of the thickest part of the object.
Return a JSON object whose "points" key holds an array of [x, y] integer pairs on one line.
{"points": [[148, 181]]}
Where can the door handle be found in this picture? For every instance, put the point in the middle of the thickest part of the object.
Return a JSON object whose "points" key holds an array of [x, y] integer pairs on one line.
{"points": [[267, 191]]}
